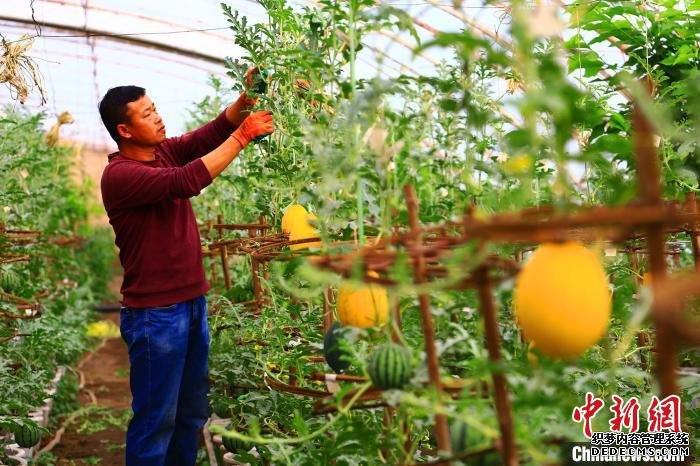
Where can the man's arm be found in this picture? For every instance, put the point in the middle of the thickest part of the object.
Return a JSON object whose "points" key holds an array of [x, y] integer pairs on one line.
{"points": [[256, 124], [239, 110], [131, 184], [196, 143]]}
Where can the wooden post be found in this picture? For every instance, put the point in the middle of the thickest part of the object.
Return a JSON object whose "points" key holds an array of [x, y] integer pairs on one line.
{"points": [[642, 340], [223, 253], [691, 206], [327, 310], [442, 432], [263, 232], [257, 289], [649, 178], [509, 451]]}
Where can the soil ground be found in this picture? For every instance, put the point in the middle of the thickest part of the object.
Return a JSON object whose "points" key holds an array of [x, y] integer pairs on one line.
{"points": [[97, 436]]}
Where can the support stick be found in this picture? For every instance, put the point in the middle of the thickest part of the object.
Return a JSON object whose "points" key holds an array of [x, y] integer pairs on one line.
{"points": [[223, 253], [691, 204], [509, 451], [441, 430], [649, 177]]}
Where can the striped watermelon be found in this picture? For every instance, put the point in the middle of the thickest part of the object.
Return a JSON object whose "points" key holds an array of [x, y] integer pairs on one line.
{"points": [[9, 280], [234, 445], [333, 351], [462, 438], [221, 407], [459, 436], [27, 435], [389, 366]]}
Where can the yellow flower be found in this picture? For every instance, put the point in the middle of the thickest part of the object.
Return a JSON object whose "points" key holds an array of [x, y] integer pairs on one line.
{"points": [[518, 165]]}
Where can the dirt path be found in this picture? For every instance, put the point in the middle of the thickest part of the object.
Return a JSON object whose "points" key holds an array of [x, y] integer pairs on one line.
{"points": [[97, 434]]}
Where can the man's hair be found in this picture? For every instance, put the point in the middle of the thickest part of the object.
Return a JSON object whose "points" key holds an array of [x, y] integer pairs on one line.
{"points": [[113, 107]]}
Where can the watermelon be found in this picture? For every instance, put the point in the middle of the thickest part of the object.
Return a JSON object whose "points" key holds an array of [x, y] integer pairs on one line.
{"points": [[335, 353], [389, 366], [234, 445], [27, 435], [462, 438], [221, 407], [9, 280], [459, 436]]}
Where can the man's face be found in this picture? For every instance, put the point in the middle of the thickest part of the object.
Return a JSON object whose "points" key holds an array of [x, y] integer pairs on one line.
{"points": [[144, 127]]}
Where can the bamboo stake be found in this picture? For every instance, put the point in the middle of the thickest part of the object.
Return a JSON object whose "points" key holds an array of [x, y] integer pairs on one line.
{"points": [[641, 335], [441, 430], [691, 205], [257, 289], [509, 451], [223, 252], [649, 177], [327, 310]]}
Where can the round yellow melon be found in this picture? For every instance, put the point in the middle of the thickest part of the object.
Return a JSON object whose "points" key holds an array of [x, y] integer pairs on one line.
{"points": [[363, 305], [294, 215], [303, 231], [562, 300]]}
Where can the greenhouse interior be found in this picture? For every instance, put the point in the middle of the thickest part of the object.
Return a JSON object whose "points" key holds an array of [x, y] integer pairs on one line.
{"points": [[361, 232]]}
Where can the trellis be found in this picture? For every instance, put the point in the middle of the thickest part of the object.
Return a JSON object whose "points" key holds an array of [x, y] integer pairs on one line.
{"points": [[647, 220]]}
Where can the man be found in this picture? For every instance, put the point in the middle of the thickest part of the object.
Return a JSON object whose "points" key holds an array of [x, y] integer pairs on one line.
{"points": [[146, 189]]}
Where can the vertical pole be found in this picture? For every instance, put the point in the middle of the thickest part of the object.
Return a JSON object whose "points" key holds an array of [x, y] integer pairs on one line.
{"points": [[327, 311], [265, 264], [257, 289], [649, 177], [441, 430], [691, 206], [641, 335], [509, 452], [223, 253]]}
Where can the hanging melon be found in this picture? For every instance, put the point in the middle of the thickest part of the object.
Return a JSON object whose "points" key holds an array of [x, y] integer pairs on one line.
{"points": [[389, 366], [27, 435], [294, 215], [9, 280], [232, 444], [333, 351], [562, 300], [363, 305]]}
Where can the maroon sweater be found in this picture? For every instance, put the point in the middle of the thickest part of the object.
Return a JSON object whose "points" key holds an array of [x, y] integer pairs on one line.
{"points": [[156, 230]]}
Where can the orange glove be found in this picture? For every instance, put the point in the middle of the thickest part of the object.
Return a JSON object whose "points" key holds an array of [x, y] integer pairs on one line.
{"points": [[255, 125]]}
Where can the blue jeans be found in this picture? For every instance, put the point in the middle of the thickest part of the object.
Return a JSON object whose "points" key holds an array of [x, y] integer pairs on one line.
{"points": [[168, 352]]}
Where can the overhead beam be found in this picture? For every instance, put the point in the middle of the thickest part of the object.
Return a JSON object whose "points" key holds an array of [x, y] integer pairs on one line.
{"points": [[129, 39]]}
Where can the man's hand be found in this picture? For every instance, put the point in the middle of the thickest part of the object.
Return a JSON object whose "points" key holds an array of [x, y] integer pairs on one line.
{"points": [[256, 124], [256, 81]]}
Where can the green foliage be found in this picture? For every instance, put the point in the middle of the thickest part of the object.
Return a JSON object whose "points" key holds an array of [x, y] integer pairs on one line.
{"points": [[38, 193], [345, 147]]}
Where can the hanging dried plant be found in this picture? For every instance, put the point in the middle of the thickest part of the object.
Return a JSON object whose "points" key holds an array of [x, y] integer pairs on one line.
{"points": [[51, 137], [19, 71]]}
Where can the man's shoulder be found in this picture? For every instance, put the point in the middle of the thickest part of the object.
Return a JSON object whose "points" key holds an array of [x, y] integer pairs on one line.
{"points": [[117, 165]]}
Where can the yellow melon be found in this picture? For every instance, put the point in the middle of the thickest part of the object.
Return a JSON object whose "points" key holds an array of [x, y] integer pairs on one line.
{"points": [[294, 215], [303, 231], [562, 300], [363, 305]]}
